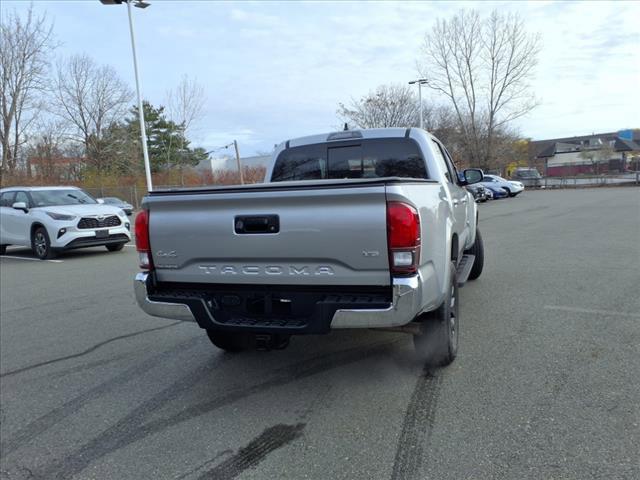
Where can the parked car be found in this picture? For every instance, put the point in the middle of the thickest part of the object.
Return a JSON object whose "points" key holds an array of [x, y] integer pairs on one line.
{"points": [[529, 177], [116, 202], [496, 192], [511, 187], [354, 229], [52, 219], [478, 191]]}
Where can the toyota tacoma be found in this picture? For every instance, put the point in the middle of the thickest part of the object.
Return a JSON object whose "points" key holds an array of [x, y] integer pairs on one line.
{"points": [[355, 229]]}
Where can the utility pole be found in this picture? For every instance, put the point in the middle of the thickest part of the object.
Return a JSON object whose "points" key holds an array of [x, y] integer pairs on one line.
{"points": [[235, 145]]}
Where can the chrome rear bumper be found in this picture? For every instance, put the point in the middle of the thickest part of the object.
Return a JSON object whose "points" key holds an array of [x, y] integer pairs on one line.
{"points": [[176, 311], [407, 303]]}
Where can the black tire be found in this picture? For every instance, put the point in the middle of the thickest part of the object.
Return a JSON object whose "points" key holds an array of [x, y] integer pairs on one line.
{"points": [[476, 249], [41, 244], [229, 342], [437, 342], [115, 247], [508, 192], [3, 249]]}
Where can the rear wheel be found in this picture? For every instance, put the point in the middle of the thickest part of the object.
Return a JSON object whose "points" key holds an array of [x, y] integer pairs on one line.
{"points": [[477, 249], [115, 247], [229, 342], [41, 244], [437, 342], [3, 249]]}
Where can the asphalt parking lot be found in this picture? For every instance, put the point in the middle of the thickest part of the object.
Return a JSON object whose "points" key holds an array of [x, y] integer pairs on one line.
{"points": [[546, 384]]}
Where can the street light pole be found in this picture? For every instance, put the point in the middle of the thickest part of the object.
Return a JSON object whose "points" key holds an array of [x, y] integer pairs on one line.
{"points": [[143, 132], [420, 82]]}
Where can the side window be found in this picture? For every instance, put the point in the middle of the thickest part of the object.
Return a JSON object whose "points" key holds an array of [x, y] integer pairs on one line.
{"points": [[442, 158], [6, 199], [450, 165], [22, 197]]}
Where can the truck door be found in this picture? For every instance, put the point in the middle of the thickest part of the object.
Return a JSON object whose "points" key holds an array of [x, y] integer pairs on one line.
{"points": [[459, 195]]}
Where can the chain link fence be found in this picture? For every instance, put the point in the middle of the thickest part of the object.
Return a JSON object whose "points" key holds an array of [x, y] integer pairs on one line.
{"points": [[134, 194], [131, 194], [591, 181]]}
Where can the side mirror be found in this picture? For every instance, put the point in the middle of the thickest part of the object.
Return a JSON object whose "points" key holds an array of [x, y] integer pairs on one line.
{"points": [[472, 175], [100, 200], [20, 206]]}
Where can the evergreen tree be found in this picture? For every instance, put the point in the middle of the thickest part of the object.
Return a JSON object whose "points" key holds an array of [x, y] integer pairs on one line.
{"points": [[168, 147]]}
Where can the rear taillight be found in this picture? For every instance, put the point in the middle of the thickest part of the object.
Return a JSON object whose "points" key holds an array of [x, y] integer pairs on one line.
{"points": [[403, 236], [142, 240]]}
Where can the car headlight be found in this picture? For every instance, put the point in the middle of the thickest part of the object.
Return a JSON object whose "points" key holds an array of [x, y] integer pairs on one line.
{"points": [[121, 213], [60, 216]]}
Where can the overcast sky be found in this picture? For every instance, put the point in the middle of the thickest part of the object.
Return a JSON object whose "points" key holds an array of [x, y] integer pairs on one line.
{"points": [[273, 71]]}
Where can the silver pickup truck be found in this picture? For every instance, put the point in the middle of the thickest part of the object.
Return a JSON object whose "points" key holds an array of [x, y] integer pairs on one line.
{"points": [[353, 229]]}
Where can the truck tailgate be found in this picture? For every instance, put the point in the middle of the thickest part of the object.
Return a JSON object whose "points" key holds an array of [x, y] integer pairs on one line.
{"points": [[317, 235]]}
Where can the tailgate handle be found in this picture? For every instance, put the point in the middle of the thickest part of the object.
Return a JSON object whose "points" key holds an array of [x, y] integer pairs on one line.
{"points": [[248, 224]]}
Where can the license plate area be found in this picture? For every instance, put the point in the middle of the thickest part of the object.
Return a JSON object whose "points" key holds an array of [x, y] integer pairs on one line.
{"points": [[102, 233]]}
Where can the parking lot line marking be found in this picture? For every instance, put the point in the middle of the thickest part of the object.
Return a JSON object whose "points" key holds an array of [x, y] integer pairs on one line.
{"points": [[132, 246], [589, 310], [31, 259]]}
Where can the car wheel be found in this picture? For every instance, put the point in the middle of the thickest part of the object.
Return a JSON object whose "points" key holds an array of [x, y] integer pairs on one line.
{"points": [[476, 249], [116, 247], [229, 342], [3, 249], [41, 244], [508, 191], [437, 342]]}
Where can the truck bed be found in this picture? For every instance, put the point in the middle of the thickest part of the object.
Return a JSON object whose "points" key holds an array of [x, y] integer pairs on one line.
{"points": [[329, 233]]}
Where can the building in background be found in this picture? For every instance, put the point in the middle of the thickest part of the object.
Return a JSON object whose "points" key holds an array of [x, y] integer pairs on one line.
{"points": [[600, 153]]}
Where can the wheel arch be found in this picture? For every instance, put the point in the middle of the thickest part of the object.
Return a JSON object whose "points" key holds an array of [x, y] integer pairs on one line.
{"points": [[34, 227], [455, 248]]}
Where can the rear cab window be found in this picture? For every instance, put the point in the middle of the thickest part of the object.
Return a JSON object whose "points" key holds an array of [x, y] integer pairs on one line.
{"points": [[367, 158]]}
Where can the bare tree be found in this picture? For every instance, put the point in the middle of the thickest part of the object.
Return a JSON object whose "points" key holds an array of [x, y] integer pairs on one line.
{"points": [[90, 97], [483, 68], [26, 46], [45, 148], [185, 103], [386, 106], [185, 106]]}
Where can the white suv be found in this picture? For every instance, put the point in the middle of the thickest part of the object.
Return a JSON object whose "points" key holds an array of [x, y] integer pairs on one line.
{"points": [[52, 219]]}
